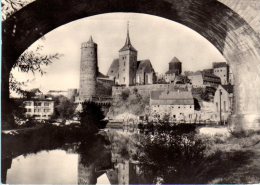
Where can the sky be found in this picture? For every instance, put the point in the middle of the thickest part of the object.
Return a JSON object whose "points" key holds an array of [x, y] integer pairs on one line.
{"points": [[155, 38]]}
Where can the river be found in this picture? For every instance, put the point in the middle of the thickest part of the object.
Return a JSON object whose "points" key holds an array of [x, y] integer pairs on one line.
{"points": [[111, 157]]}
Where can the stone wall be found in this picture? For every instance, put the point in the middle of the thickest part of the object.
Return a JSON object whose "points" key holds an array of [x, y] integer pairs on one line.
{"points": [[88, 70], [144, 90]]}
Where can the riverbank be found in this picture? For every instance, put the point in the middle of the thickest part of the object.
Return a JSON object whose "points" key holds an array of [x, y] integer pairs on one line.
{"points": [[41, 137]]}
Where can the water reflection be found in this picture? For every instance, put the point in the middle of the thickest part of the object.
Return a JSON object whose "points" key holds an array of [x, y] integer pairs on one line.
{"points": [[117, 157], [99, 161]]}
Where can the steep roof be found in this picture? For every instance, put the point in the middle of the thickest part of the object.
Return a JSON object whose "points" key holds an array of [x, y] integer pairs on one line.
{"points": [[128, 45], [175, 60], [171, 98], [229, 88], [101, 75], [114, 68], [144, 66]]}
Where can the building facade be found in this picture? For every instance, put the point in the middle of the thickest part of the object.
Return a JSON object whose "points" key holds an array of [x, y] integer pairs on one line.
{"points": [[40, 109], [127, 63], [202, 79], [221, 69], [178, 105], [145, 74], [127, 71], [223, 101]]}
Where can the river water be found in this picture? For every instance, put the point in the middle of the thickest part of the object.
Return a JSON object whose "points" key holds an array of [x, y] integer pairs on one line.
{"points": [[113, 157]]}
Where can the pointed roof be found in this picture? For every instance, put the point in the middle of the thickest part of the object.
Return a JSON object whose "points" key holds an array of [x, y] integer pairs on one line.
{"points": [[144, 66], [90, 40], [114, 68], [175, 60], [128, 45]]}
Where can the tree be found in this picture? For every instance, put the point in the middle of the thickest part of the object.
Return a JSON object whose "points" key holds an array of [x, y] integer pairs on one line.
{"points": [[174, 158], [64, 108], [30, 61], [9, 7], [91, 117]]}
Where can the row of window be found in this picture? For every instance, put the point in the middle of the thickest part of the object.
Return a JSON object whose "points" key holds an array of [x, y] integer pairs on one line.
{"points": [[38, 110], [37, 103], [177, 107], [219, 70]]}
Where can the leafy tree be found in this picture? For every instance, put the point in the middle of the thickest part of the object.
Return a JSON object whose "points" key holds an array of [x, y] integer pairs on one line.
{"points": [[9, 7], [91, 117], [125, 94], [64, 108], [30, 61], [174, 158]]}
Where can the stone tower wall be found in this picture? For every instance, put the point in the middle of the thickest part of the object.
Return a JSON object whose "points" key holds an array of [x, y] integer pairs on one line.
{"points": [[127, 67], [88, 71]]}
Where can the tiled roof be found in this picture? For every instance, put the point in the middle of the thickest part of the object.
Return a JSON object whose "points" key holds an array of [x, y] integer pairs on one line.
{"points": [[175, 60], [144, 66], [171, 98], [229, 88], [100, 75], [114, 68]]}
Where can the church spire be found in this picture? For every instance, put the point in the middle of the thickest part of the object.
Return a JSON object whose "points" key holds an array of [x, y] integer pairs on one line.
{"points": [[128, 45], [127, 42], [90, 39]]}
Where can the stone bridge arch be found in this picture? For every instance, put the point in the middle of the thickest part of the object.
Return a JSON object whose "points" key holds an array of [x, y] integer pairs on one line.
{"points": [[219, 24]]}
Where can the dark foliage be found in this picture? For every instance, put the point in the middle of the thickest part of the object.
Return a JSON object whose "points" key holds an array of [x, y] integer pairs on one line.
{"points": [[172, 157], [64, 108], [125, 94], [91, 117]]}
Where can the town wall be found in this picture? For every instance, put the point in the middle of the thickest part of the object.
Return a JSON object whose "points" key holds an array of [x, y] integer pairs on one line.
{"points": [[145, 90]]}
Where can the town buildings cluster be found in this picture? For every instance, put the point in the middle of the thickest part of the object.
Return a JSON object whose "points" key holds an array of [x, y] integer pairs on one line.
{"points": [[183, 96]]}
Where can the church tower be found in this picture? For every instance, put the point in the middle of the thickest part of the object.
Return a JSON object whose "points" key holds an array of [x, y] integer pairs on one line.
{"points": [[127, 62], [88, 70]]}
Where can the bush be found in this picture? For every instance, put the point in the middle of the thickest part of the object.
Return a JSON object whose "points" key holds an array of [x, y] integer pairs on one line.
{"points": [[91, 117], [125, 94]]}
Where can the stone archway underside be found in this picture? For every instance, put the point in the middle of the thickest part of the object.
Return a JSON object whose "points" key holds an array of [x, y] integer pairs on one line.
{"points": [[225, 29]]}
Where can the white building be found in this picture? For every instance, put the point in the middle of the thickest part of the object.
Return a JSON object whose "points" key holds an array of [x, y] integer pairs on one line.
{"points": [[40, 109], [202, 79], [178, 105], [223, 101]]}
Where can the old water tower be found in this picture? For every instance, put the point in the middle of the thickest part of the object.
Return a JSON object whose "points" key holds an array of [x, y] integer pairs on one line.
{"points": [[88, 70]]}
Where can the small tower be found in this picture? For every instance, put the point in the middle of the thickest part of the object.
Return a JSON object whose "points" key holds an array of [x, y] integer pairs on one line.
{"points": [[127, 62], [88, 70]]}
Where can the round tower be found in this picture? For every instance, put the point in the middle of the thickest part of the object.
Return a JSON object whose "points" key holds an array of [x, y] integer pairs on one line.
{"points": [[88, 70], [175, 66]]}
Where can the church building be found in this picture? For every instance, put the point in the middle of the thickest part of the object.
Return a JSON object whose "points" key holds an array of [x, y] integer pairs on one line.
{"points": [[127, 71]]}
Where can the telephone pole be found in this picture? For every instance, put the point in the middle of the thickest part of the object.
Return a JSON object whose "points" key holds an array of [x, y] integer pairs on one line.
{"points": [[220, 116]]}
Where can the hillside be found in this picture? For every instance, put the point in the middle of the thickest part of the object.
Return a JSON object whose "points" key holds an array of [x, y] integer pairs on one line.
{"points": [[130, 102]]}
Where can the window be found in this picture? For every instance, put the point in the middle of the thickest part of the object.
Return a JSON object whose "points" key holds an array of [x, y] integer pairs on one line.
{"points": [[28, 103], [124, 63], [46, 103], [124, 79], [37, 103], [179, 107], [29, 110]]}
